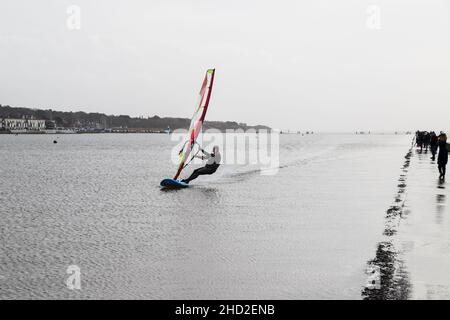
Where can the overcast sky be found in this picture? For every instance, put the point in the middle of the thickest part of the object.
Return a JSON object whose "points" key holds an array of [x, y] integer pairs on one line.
{"points": [[320, 65]]}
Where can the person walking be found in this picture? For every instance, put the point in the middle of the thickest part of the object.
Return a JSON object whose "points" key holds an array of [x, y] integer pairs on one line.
{"points": [[433, 145], [442, 155]]}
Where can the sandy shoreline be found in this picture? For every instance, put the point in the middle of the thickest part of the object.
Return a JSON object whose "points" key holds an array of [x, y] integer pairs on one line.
{"points": [[413, 259]]}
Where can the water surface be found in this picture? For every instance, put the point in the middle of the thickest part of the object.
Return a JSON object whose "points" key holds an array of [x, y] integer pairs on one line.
{"points": [[94, 201]]}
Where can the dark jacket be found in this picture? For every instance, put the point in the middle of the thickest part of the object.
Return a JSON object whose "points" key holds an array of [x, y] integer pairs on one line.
{"points": [[443, 153]]}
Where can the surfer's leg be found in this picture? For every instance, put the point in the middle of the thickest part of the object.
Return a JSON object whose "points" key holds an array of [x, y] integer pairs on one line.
{"points": [[198, 172], [193, 176]]}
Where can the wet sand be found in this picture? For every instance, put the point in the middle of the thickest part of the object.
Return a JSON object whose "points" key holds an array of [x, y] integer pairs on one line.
{"points": [[413, 259]]}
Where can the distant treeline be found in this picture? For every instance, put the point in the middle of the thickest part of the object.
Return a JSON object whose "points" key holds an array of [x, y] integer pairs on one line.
{"points": [[93, 119]]}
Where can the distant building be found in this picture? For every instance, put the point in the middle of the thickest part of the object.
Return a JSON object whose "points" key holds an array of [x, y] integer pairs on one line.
{"points": [[22, 125]]}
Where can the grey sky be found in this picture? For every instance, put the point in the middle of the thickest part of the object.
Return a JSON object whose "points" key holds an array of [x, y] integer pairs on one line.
{"points": [[289, 64]]}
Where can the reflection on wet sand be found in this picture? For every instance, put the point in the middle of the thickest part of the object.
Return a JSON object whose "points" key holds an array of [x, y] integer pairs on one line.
{"points": [[412, 261], [440, 203], [391, 278], [388, 277]]}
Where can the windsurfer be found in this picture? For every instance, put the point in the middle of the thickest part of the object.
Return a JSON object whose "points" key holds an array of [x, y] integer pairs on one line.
{"points": [[212, 163]]}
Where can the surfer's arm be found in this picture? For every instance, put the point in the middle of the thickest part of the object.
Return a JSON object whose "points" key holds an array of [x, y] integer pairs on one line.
{"points": [[204, 157], [207, 155]]}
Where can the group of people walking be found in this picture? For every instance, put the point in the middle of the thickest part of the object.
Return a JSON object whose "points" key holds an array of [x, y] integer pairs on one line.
{"points": [[437, 145]]}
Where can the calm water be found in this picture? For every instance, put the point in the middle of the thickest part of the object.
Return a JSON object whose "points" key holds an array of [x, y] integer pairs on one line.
{"points": [[94, 201]]}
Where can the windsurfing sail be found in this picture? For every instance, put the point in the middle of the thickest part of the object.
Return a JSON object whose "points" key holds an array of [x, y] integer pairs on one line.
{"points": [[197, 121]]}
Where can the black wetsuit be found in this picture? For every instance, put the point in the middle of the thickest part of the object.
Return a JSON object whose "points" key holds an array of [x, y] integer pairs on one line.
{"points": [[426, 140], [442, 158], [207, 169], [419, 139], [433, 145]]}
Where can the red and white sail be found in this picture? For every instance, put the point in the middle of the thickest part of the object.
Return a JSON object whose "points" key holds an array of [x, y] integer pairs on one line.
{"points": [[197, 120]]}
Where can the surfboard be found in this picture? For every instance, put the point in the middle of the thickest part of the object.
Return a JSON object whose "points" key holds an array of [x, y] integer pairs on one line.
{"points": [[172, 183]]}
